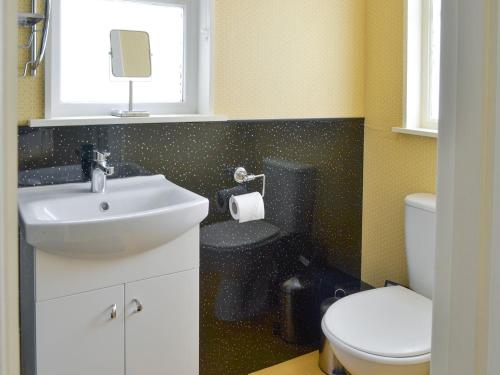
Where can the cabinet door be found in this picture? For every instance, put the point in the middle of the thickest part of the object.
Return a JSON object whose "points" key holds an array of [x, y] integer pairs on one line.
{"points": [[80, 334], [162, 338]]}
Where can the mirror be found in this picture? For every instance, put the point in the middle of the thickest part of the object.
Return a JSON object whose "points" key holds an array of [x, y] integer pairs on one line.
{"points": [[130, 58], [130, 54]]}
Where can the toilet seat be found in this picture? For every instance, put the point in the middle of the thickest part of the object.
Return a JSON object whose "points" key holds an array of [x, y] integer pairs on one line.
{"points": [[388, 325]]}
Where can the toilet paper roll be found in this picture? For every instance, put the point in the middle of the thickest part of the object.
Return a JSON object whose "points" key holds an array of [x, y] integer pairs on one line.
{"points": [[247, 207]]}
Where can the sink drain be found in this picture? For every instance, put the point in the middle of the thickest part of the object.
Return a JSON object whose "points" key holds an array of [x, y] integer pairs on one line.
{"points": [[104, 206]]}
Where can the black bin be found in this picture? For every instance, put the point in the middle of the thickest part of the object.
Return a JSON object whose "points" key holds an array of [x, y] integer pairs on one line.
{"points": [[298, 311]]}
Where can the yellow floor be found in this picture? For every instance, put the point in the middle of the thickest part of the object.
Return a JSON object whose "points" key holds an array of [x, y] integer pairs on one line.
{"points": [[304, 365]]}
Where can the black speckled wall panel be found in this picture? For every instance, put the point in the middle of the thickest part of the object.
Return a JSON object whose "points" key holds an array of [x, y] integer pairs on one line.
{"points": [[202, 157]]}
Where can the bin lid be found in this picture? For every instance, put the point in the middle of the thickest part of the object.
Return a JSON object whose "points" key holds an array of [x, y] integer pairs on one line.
{"points": [[296, 283]]}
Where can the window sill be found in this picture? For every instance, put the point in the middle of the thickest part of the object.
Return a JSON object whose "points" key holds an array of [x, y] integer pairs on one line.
{"points": [[112, 120], [430, 133]]}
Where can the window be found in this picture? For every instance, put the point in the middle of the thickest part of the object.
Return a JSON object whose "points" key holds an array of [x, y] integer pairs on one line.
{"points": [[423, 44], [79, 80]]}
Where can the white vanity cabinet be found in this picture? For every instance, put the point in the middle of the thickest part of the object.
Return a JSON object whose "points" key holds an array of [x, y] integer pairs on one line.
{"points": [[109, 281], [76, 335], [144, 327], [167, 325], [132, 315]]}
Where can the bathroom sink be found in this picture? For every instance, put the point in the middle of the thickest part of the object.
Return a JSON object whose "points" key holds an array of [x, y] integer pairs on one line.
{"points": [[135, 214]]}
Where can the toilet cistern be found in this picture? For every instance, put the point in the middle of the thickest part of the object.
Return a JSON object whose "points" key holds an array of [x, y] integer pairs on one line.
{"points": [[100, 171]]}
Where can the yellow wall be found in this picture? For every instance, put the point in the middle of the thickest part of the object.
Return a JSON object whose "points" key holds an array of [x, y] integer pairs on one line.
{"points": [[394, 165], [289, 58], [30, 94], [273, 58]]}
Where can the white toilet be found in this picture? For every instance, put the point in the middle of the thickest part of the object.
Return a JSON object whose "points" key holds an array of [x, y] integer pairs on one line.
{"points": [[387, 331]]}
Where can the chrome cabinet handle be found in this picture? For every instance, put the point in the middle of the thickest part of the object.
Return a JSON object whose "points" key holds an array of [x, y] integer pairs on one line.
{"points": [[138, 305], [113, 311]]}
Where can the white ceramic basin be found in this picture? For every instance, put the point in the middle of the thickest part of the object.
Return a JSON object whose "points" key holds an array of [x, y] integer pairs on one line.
{"points": [[135, 214]]}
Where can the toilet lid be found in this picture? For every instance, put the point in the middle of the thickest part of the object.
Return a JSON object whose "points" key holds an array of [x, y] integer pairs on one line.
{"points": [[231, 235], [390, 322]]}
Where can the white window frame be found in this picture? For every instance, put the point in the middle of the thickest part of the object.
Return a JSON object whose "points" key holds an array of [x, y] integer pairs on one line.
{"points": [[417, 67], [197, 64]]}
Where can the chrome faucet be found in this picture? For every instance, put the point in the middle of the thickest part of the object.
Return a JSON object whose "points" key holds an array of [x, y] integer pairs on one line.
{"points": [[100, 170]]}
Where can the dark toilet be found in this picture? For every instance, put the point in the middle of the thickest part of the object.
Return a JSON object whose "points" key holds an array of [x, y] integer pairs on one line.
{"points": [[244, 255]]}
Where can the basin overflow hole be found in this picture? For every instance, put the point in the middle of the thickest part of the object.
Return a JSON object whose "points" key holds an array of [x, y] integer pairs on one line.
{"points": [[104, 206]]}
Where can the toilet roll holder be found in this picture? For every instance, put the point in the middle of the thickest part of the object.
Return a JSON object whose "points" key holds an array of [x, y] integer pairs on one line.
{"points": [[241, 176]]}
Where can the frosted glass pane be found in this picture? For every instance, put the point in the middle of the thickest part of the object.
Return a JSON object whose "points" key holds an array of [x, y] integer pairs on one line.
{"points": [[85, 46], [435, 59]]}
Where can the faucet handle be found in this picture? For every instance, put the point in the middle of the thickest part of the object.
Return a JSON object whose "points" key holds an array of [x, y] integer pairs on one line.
{"points": [[101, 156]]}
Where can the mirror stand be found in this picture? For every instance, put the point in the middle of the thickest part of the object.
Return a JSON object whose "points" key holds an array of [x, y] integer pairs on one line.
{"points": [[130, 112]]}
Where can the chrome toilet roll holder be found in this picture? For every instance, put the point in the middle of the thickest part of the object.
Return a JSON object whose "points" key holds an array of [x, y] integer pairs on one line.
{"points": [[241, 176]]}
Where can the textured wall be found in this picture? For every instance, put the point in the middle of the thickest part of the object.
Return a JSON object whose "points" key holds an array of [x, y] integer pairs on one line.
{"points": [[273, 59], [289, 58], [394, 165]]}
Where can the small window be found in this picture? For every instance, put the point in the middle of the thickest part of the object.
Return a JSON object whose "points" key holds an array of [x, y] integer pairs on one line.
{"points": [[423, 44], [79, 76]]}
